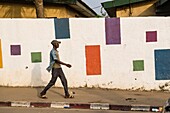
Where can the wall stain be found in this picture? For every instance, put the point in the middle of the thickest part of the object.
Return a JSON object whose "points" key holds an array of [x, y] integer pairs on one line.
{"points": [[165, 87]]}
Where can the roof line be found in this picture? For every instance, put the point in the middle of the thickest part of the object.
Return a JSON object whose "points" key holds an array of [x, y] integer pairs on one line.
{"points": [[118, 3], [84, 4], [161, 2], [79, 3]]}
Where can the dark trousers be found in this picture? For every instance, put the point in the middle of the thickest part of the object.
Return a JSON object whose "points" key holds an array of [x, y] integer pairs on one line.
{"points": [[57, 72]]}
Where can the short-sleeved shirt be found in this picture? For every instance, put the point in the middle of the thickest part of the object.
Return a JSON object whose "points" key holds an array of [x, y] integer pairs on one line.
{"points": [[54, 55]]}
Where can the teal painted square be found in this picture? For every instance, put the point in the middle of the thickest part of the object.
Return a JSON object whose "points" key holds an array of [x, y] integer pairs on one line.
{"points": [[36, 57], [138, 65], [62, 30], [162, 64]]}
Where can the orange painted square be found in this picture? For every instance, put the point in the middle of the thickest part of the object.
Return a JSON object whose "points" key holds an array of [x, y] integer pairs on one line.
{"points": [[93, 60], [1, 64]]}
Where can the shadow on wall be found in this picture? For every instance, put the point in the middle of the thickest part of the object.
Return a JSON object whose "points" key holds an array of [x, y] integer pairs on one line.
{"points": [[149, 11], [36, 80]]}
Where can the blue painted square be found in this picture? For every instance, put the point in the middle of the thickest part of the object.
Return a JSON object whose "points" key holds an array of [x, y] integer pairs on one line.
{"points": [[62, 30], [162, 64]]}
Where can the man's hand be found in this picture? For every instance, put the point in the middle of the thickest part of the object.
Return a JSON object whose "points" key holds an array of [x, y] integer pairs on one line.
{"points": [[68, 65], [60, 62]]}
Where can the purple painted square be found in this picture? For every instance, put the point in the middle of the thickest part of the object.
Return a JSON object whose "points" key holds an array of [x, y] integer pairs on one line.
{"points": [[151, 36], [112, 27], [15, 50]]}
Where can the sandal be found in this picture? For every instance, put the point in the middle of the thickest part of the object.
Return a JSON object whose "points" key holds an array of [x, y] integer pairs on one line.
{"points": [[69, 96], [43, 96]]}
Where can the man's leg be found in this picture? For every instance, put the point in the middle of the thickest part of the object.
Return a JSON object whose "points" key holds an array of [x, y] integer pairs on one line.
{"points": [[63, 81], [51, 83]]}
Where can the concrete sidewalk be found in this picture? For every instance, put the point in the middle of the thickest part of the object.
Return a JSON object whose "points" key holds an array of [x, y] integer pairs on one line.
{"points": [[86, 98]]}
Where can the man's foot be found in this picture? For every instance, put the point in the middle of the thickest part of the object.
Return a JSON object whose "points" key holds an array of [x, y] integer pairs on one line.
{"points": [[43, 96], [69, 96]]}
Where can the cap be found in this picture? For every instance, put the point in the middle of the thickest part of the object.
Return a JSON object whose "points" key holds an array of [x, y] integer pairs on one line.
{"points": [[55, 41]]}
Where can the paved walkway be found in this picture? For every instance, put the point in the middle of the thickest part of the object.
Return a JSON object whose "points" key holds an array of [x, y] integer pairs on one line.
{"points": [[84, 98]]}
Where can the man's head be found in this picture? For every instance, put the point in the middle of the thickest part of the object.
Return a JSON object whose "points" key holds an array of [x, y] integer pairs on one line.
{"points": [[55, 43]]}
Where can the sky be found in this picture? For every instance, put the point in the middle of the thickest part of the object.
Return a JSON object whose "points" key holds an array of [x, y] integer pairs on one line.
{"points": [[96, 5]]}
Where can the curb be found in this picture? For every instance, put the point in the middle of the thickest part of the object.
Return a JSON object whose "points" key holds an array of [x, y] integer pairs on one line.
{"points": [[94, 106]]}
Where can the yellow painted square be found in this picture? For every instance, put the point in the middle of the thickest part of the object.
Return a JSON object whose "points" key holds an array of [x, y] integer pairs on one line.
{"points": [[1, 64]]}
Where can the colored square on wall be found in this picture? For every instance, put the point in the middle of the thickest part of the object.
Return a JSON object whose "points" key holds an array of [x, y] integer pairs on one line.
{"points": [[138, 65], [1, 63], [162, 64], [15, 50], [36, 57], [62, 30], [151, 36], [112, 27], [93, 61]]}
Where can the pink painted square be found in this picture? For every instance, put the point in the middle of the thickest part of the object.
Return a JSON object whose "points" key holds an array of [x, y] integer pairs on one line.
{"points": [[151, 36]]}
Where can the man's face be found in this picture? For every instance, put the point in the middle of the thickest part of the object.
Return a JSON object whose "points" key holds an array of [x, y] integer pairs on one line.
{"points": [[57, 45]]}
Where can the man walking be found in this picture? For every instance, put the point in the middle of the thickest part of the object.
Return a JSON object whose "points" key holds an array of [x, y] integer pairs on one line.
{"points": [[55, 66]]}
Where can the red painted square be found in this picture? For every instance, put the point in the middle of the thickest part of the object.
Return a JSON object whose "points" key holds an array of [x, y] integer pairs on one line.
{"points": [[93, 61]]}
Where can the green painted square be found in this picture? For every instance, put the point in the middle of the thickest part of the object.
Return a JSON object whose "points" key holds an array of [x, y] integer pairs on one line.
{"points": [[36, 57], [138, 65]]}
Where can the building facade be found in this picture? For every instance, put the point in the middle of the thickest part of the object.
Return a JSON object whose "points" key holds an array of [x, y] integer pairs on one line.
{"points": [[137, 8], [52, 9]]}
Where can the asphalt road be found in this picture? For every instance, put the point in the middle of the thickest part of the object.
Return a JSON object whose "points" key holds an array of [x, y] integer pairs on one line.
{"points": [[52, 110]]}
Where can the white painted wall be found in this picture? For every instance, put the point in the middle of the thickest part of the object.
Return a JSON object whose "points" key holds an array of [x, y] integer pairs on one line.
{"points": [[35, 35]]}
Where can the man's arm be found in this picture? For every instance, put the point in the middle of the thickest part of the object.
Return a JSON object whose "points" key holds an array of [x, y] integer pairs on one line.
{"points": [[60, 62]]}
